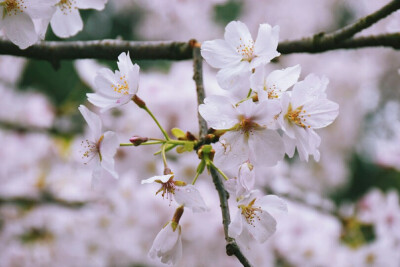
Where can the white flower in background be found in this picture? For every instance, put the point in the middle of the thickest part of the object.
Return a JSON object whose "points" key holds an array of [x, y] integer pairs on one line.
{"points": [[238, 54], [101, 147], [184, 194], [253, 219], [67, 21], [116, 89], [167, 245], [250, 135], [242, 185], [304, 109], [272, 85], [16, 19]]}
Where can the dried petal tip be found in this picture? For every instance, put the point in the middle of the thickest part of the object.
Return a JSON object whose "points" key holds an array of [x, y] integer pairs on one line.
{"points": [[138, 140]]}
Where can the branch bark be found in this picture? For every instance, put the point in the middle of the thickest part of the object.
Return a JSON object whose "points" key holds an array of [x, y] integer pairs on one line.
{"points": [[198, 78], [231, 246], [43, 199]]}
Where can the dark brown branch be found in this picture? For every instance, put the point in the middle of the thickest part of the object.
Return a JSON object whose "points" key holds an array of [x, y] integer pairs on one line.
{"points": [[198, 78], [43, 199], [231, 246], [11, 126], [363, 23], [102, 49]]}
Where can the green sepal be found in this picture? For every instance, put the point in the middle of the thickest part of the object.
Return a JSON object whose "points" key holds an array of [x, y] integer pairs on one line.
{"points": [[178, 133]]}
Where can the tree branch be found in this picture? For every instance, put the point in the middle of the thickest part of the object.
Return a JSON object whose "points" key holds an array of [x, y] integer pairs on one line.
{"points": [[231, 246], [363, 23], [198, 78], [44, 198]]}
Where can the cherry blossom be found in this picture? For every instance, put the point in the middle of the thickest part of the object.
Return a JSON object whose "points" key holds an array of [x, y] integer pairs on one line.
{"points": [[167, 245], [304, 109], [101, 147], [253, 219], [184, 194], [242, 185], [238, 54], [115, 89], [67, 21], [273, 85], [250, 133], [16, 19]]}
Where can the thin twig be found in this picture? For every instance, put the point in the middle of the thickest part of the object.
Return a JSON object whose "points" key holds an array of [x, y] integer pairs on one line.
{"points": [[198, 79], [231, 246], [11, 126]]}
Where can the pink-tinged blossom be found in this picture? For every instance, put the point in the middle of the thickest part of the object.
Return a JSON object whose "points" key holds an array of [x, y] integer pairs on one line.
{"points": [[250, 130], [16, 19], [242, 185], [238, 54], [305, 109], [184, 194], [67, 21], [100, 148], [167, 245], [273, 85], [116, 89], [253, 220]]}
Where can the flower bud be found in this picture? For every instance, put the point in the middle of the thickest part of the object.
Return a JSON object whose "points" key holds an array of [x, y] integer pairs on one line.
{"points": [[138, 140]]}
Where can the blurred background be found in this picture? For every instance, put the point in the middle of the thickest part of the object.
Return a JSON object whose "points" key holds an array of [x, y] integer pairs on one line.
{"points": [[343, 210]]}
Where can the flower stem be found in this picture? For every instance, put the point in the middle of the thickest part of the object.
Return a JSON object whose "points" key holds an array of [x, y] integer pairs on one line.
{"points": [[156, 121], [164, 156], [218, 170]]}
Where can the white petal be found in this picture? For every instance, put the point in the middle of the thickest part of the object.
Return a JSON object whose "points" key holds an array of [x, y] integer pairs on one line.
{"points": [[219, 54], [162, 178], [271, 203], [246, 179], [236, 226], [237, 33], [133, 80], [93, 121], [129, 72], [236, 150], [236, 79], [321, 113], [107, 163], [290, 145], [311, 88], [91, 4], [266, 147], [66, 23], [265, 112], [258, 79], [266, 43], [165, 245], [190, 197], [262, 227], [105, 80], [219, 112], [41, 9], [20, 30], [108, 148], [281, 80]]}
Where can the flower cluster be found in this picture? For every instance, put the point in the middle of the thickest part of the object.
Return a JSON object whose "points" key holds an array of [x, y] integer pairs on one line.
{"points": [[25, 21]]}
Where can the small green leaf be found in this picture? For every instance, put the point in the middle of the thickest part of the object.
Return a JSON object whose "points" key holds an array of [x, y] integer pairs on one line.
{"points": [[178, 133]]}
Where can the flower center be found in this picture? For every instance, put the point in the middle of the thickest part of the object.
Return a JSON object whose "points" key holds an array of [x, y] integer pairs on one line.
{"points": [[13, 7], [272, 91], [297, 116], [247, 125], [250, 213], [122, 87], [67, 6], [167, 188], [246, 50], [91, 149]]}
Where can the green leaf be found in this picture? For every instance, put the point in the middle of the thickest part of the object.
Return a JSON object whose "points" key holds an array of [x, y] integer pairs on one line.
{"points": [[178, 133]]}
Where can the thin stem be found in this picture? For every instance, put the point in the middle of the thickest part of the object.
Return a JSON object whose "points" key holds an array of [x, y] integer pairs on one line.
{"points": [[156, 121], [143, 144], [218, 170], [164, 157], [195, 178]]}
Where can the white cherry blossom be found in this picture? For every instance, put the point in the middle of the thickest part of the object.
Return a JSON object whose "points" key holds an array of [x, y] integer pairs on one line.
{"points": [[272, 85], [253, 220], [115, 89], [67, 21], [238, 54], [184, 194], [100, 148], [250, 130], [304, 109], [242, 185], [16, 19], [167, 245]]}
